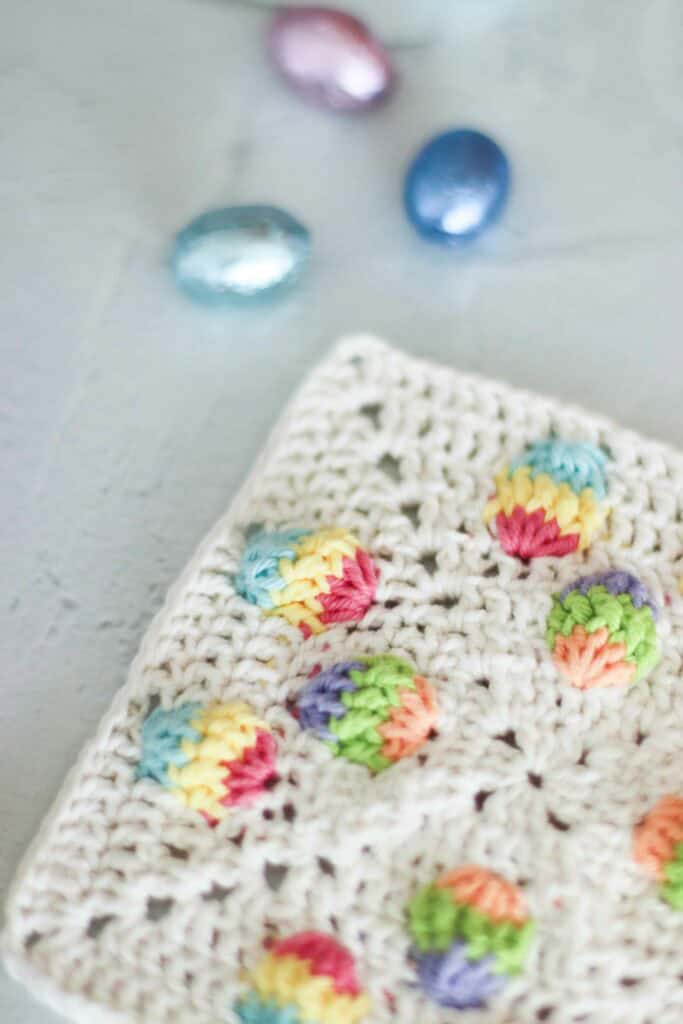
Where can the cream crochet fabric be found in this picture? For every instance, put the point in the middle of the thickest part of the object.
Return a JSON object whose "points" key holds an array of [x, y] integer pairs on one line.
{"points": [[129, 907]]}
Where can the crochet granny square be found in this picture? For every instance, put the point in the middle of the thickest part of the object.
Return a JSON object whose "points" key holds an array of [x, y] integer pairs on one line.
{"points": [[404, 744]]}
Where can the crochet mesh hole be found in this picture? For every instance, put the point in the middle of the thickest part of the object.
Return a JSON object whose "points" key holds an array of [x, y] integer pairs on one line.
{"points": [[217, 893], [481, 797], [275, 875], [509, 737], [327, 867], [535, 780], [629, 982], [412, 511], [158, 908], [491, 572], [32, 939], [557, 823], [447, 601], [391, 466], [545, 1012], [289, 813], [428, 562], [96, 925], [372, 410], [640, 736], [483, 682], [177, 852]]}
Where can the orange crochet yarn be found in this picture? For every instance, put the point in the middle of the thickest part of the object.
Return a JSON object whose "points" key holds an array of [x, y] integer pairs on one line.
{"points": [[488, 892], [656, 837]]}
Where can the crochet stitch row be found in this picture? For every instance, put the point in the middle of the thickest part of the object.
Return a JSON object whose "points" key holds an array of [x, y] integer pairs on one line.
{"points": [[470, 930], [373, 711], [602, 630], [210, 758], [312, 579], [549, 501], [658, 846], [309, 977]]}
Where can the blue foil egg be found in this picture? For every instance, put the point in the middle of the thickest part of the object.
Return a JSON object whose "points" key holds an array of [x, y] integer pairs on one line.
{"points": [[239, 254], [457, 186]]}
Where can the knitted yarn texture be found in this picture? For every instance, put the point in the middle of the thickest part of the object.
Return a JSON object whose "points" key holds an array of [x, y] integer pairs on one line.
{"points": [[368, 765]]}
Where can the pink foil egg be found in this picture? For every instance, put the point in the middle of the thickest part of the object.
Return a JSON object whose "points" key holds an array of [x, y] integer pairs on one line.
{"points": [[330, 58]]}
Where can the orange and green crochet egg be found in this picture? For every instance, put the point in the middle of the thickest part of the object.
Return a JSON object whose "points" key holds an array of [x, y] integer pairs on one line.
{"points": [[658, 847], [550, 501], [602, 630], [211, 758], [372, 711], [312, 579], [470, 932], [309, 978]]}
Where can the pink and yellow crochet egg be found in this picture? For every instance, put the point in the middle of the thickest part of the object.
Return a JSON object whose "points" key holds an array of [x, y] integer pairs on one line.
{"points": [[550, 501], [211, 758], [309, 978], [312, 579]]}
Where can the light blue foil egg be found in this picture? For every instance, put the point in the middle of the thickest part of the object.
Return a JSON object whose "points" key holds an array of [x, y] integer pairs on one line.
{"points": [[457, 186], [239, 254]]}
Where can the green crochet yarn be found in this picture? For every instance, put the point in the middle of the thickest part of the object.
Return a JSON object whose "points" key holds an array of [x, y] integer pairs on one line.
{"points": [[436, 920], [369, 705], [672, 888], [433, 919], [634, 627]]}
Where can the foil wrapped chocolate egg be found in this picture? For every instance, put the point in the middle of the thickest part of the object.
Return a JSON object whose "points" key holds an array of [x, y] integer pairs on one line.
{"points": [[330, 58]]}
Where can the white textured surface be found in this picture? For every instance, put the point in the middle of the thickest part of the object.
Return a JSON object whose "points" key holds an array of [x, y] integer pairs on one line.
{"points": [[130, 417]]}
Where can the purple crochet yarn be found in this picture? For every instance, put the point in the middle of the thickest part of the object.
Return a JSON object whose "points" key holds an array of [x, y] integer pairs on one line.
{"points": [[450, 979], [320, 699], [616, 581]]}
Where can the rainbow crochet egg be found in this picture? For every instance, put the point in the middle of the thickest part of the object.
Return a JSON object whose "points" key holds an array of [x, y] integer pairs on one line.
{"points": [[658, 846], [312, 579], [470, 932], [602, 630], [372, 711], [550, 501], [308, 978], [211, 758]]}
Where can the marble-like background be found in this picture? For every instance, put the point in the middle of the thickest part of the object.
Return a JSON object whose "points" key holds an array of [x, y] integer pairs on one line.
{"points": [[130, 417]]}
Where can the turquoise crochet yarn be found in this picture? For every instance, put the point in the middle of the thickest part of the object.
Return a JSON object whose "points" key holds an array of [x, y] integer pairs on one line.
{"points": [[259, 572], [577, 463], [252, 1010], [162, 735]]}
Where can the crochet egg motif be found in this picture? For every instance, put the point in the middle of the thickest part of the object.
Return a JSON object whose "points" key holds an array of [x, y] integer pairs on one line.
{"points": [[658, 846], [602, 630], [312, 579], [470, 932], [551, 500], [308, 977], [372, 711], [211, 758]]}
